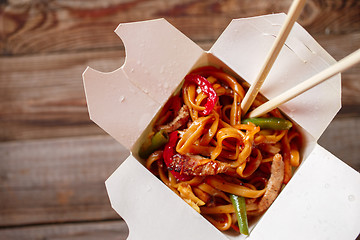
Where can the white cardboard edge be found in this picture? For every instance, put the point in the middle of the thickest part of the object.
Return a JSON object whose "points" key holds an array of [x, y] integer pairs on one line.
{"points": [[107, 97], [155, 56], [124, 102], [249, 40], [151, 210], [322, 201]]}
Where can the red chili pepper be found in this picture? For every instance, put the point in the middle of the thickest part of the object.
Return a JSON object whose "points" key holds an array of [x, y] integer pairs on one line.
{"points": [[207, 88], [169, 152]]}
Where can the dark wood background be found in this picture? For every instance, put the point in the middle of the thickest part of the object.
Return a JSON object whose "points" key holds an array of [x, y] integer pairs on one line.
{"points": [[53, 159]]}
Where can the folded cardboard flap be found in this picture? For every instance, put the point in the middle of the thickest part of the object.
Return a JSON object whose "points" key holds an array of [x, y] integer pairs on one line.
{"points": [[151, 209], [243, 46], [322, 201], [108, 97], [155, 57], [124, 102]]}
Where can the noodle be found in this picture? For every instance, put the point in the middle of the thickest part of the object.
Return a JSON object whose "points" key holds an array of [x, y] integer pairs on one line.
{"points": [[210, 156]]}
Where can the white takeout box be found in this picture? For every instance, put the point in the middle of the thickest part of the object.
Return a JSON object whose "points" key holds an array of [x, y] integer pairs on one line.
{"points": [[322, 200]]}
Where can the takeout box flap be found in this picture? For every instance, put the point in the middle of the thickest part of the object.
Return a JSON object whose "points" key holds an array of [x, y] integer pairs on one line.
{"points": [[151, 210], [123, 102], [108, 95], [322, 201], [243, 46]]}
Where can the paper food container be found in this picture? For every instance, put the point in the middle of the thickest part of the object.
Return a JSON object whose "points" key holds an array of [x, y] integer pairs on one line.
{"points": [[321, 201]]}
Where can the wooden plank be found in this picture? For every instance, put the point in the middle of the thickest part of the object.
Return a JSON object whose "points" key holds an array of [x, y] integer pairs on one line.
{"points": [[108, 230], [54, 188], [340, 46], [341, 138], [43, 96], [62, 180], [52, 26], [57, 180]]}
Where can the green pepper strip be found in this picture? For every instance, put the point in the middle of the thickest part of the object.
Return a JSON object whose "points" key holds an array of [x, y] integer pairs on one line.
{"points": [[272, 123], [158, 140], [240, 211]]}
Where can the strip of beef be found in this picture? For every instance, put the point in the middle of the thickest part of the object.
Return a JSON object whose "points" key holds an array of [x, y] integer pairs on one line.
{"points": [[197, 165], [274, 184], [179, 121]]}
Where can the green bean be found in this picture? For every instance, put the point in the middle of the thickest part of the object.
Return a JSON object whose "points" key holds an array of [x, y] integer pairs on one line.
{"points": [[272, 123], [240, 211]]}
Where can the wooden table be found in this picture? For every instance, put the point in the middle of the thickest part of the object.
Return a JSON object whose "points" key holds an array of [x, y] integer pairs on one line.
{"points": [[53, 159]]}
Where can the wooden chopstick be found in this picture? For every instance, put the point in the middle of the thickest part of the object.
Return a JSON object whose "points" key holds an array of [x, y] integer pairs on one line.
{"points": [[334, 69], [294, 12]]}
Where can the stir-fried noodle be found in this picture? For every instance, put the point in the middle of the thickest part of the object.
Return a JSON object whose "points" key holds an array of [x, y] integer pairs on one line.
{"points": [[211, 152]]}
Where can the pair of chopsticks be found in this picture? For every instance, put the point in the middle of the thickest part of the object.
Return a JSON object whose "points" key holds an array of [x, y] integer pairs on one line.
{"points": [[336, 68]]}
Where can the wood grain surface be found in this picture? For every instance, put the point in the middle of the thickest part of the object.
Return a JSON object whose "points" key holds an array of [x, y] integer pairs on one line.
{"points": [[54, 160]]}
